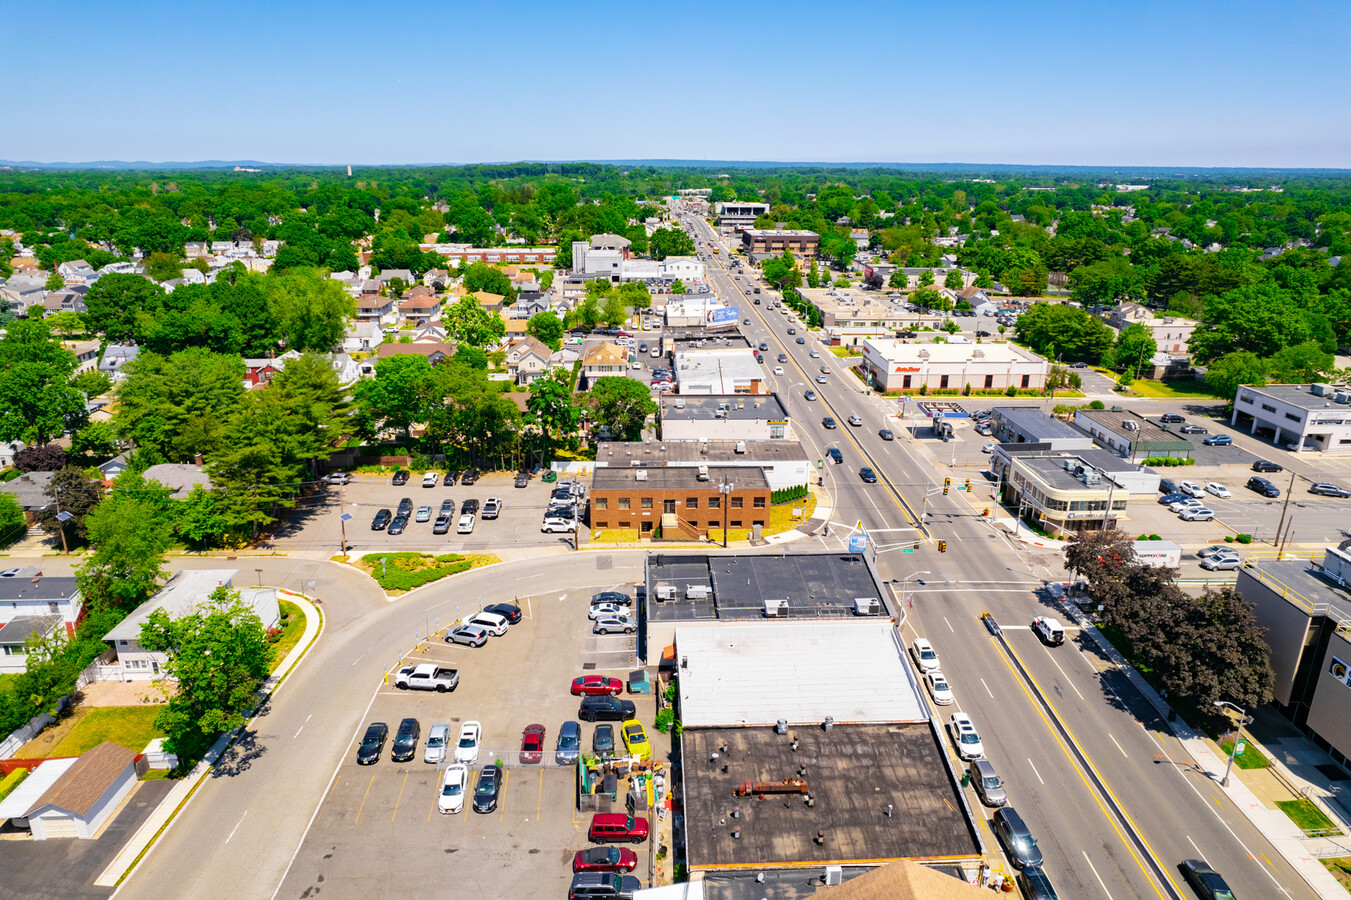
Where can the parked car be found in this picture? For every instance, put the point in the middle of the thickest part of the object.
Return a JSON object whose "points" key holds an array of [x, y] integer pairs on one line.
{"points": [[1171, 419], [1327, 489], [405, 508], [1191, 489], [372, 743], [492, 508], [1213, 549], [556, 525], [424, 514], [617, 597], [1196, 514], [453, 786], [486, 789], [1227, 561], [532, 743], [1016, 838], [397, 525], [1168, 486], [965, 738], [467, 745], [469, 477], [438, 738], [400, 477], [1218, 440], [614, 625], [596, 686], [1263, 487], [617, 828], [490, 622], [926, 657], [381, 520], [406, 740], [1263, 465], [605, 859], [986, 781], [469, 506], [1205, 881], [441, 525], [522, 479], [466, 524], [1219, 490], [470, 635], [337, 478], [430, 479], [868, 475], [1193, 429], [569, 745], [937, 683], [509, 611], [1036, 885], [635, 739], [1175, 497], [603, 740], [605, 707]]}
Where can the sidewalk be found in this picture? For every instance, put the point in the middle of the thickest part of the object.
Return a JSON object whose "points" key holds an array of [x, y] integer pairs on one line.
{"points": [[1251, 793], [132, 852]]}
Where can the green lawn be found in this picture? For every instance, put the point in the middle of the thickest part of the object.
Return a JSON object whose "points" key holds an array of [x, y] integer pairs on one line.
{"points": [[130, 726], [1250, 758], [845, 352], [294, 618], [1340, 867], [1173, 390], [398, 573], [1307, 816]]}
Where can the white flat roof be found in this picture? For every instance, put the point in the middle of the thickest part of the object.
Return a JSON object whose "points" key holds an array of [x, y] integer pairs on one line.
{"points": [[894, 351], [31, 789], [756, 674]]}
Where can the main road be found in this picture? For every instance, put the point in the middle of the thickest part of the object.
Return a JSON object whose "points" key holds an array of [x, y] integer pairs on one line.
{"points": [[1126, 772]]}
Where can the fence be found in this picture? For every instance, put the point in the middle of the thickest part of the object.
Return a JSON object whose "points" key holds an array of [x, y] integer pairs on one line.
{"points": [[23, 735]]}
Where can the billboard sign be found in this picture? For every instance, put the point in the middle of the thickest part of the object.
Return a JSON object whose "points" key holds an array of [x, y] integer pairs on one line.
{"points": [[723, 315]]}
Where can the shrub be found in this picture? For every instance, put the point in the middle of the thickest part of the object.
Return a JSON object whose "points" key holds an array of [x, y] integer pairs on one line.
{"points": [[923, 389], [1142, 538], [1097, 404], [1011, 391], [966, 391], [1155, 537], [1228, 538], [1244, 539]]}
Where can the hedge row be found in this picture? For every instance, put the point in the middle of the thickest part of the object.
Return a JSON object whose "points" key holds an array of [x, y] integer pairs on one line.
{"points": [[11, 781], [1168, 462], [788, 495]]}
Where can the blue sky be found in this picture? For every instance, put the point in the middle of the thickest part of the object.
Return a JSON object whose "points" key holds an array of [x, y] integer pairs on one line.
{"points": [[1091, 83]]}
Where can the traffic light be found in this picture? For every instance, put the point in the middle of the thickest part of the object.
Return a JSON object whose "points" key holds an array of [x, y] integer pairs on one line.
{"points": [[946, 482], [942, 546], [968, 485]]}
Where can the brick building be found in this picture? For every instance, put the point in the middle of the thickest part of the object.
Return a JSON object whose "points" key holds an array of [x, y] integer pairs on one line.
{"points": [[800, 243], [682, 500]]}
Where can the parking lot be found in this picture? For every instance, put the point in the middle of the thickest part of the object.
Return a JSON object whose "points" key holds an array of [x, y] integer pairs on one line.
{"points": [[525, 846]]}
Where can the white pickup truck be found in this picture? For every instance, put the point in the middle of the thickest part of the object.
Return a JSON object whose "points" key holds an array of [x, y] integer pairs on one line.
{"points": [[427, 677]]}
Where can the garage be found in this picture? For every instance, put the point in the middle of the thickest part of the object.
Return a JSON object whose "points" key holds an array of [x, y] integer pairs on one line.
{"points": [[85, 796]]}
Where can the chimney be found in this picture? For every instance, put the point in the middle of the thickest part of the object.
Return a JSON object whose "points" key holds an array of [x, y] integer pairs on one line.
{"points": [[197, 458]]}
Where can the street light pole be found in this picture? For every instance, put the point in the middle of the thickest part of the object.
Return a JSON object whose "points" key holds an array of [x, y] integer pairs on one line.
{"points": [[725, 489], [1240, 718], [908, 577]]}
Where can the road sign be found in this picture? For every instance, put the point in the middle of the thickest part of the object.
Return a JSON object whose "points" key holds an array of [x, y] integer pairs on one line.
{"points": [[1238, 750], [819, 465], [907, 549], [858, 543]]}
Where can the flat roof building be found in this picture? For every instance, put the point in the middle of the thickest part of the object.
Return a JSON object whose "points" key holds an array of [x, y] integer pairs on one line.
{"points": [[802, 244], [896, 367], [679, 501], [851, 316], [735, 417], [1299, 417], [1036, 428], [1069, 492], [738, 214], [1131, 435], [719, 372], [784, 463]]}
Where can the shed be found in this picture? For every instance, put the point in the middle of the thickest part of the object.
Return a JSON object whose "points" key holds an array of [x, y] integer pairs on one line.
{"points": [[85, 796]]}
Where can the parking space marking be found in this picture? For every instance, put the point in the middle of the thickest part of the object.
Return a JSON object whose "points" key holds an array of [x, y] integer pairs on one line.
{"points": [[363, 800], [399, 799], [501, 795], [539, 801]]}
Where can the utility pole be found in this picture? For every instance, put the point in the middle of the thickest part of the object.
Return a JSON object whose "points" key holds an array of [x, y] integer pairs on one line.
{"points": [[1284, 506], [725, 489]]}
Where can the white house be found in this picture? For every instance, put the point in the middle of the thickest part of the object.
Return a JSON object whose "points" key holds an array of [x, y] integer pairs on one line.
{"points": [[184, 594], [31, 604], [85, 795]]}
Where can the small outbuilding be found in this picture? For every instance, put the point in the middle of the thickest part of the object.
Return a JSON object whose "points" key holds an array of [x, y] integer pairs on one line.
{"points": [[86, 795]]}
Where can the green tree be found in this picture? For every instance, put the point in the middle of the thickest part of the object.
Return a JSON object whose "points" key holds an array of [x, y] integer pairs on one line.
{"points": [[200, 519], [218, 657], [311, 310], [92, 383], [953, 280], [678, 287], [926, 278], [13, 523], [74, 492], [480, 276], [951, 327], [130, 535], [37, 400], [670, 242], [95, 439], [177, 406], [316, 406], [1107, 281], [813, 276], [635, 294], [1135, 346], [1301, 364], [547, 328], [614, 312], [898, 279], [620, 404], [552, 405], [396, 397], [469, 323], [1058, 330], [781, 272], [54, 283], [1225, 374], [164, 266], [114, 301]]}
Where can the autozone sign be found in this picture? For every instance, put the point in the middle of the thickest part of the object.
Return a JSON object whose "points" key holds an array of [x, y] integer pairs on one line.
{"points": [[907, 368]]}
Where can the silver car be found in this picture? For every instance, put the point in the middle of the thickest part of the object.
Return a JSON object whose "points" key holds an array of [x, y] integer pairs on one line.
{"points": [[436, 743], [613, 625], [473, 635], [987, 783]]}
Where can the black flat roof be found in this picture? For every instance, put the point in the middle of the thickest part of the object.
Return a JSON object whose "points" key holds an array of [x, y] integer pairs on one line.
{"points": [[816, 585], [853, 772]]}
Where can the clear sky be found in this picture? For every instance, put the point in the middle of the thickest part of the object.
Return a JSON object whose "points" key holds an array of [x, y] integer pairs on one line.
{"points": [[1096, 82]]}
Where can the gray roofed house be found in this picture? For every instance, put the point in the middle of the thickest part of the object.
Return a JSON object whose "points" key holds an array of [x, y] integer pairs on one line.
{"points": [[16, 632], [610, 242], [178, 476], [30, 490], [115, 359]]}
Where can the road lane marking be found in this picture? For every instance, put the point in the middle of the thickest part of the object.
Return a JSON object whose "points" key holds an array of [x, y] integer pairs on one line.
{"points": [[987, 688], [302, 726], [236, 828], [358, 659], [1105, 892], [949, 624], [1194, 847], [1034, 771], [1062, 672], [1118, 746], [363, 802], [399, 799]]}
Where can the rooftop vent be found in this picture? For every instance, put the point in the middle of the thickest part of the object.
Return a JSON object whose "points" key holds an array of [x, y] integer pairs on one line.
{"points": [[680, 403], [703, 472], [776, 609], [740, 446], [640, 475], [1320, 390]]}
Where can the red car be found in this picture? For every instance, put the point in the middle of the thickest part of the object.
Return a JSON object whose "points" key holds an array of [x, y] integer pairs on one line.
{"points": [[594, 685], [605, 859], [532, 744]]}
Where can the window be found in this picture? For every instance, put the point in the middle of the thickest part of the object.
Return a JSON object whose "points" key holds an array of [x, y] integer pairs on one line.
{"points": [[943, 382], [759, 503], [1245, 399], [776, 431], [646, 502], [1268, 408], [691, 502], [737, 502], [623, 502], [601, 524], [647, 526], [989, 381], [1292, 417], [714, 523], [1027, 379], [736, 523], [602, 503], [714, 502]]}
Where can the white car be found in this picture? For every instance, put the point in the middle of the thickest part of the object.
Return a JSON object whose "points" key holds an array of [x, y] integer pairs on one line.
{"points": [[430, 479], [636, 365], [491, 622], [1192, 489], [466, 524], [815, 354], [855, 421], [437, 739], [1189, 503], [1196, 514], [466, 748], [926, 657], [454, 784], [554, 526], [965, 737], [938, 688], [778, 370], [1218, 490], [988, 448], [606, 610]]}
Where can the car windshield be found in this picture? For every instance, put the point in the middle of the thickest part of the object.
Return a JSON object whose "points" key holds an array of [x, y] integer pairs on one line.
{"points": [[371, 741], [451, 790], [467, 740], [970, 737], [435, 741], [486, 783], [567, 742], [927, 653], [940, 684], [991, 781]]}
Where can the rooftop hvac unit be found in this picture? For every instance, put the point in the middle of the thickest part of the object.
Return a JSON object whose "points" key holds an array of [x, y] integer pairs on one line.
{"points": [[1320, 390], [697, 591], [703, 472], [1341, 397], [680, 403], [666, 592], [1129, 425], [776, 609], [740, 446], [834, 876], [640, 475], [867, 606], [1091, 477], [1069, 465]]}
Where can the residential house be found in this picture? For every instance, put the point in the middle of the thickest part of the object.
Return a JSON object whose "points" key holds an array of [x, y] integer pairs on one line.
{"points": [[362, 337], [184, 594], [377, 309], [515, 327], [85, 795], [77, 271], [196, 250], [23, 291], [115, 359], [430, 332], [343, 364], [1170, 333], [604, 359], [420, 310], [270, 248], [258, 372], [180, 478], [194, 276], [86, 354], [975, 296], [385, 277], [31, 604], [113, 468], [435, 351], [7, 451], [611, 242], [489, 301], [64, 301], [860, 237], [527, 359], [436, 279]]}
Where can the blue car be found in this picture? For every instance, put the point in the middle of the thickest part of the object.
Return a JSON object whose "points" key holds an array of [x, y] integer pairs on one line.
{"points": [[1170, 499], [1218, 440]]}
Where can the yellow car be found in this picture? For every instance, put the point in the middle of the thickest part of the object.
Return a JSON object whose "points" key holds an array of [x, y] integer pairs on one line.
{"points": [[635, 739]]}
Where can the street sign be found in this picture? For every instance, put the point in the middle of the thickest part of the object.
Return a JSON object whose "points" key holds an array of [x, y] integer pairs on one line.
{"points": [[858, 543], [819, 465], [1240, 747], [907, 549]]}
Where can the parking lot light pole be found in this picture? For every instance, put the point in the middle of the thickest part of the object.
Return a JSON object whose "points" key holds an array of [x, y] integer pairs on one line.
{"points": [[725, 489], [342, 521], [1240, 717]]}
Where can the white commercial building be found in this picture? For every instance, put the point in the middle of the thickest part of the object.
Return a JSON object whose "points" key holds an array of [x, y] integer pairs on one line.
{"points": [[1299, 417], [719, 372], [616, 266], [893, 366], [728, 418]]}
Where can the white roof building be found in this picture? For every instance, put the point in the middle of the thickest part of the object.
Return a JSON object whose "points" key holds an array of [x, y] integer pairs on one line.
{"points": [[895, 366], [719, 372]]}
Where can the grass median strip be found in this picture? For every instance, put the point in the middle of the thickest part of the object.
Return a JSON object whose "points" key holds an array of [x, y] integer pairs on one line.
{"points": [[398, 573]]}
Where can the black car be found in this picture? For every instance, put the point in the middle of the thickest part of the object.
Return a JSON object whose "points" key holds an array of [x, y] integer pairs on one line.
{"points": [[441, 525], [397, 525], [868, 475], [792, 331], [1016, 838], [405, 507], [603, 741], [617, 597], [401, 477], [1167, 486], [469, 477], [1205, 881], [1193, 429], [509, 611], [522, 479], [1174, 497], [1035, 884], [763, 346], [405, 740], [605, 707], [1329, 490], [452, 475], [1263, 465], [1171, 419], [828, 422], [1263, 487], [469, 506], [373, 744], [801, 341], [835, 455], [486, 789], [381, 520], [886, 434]]}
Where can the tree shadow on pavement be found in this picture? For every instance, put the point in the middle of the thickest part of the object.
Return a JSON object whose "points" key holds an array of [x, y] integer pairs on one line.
{"points": [[239, 756]]}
